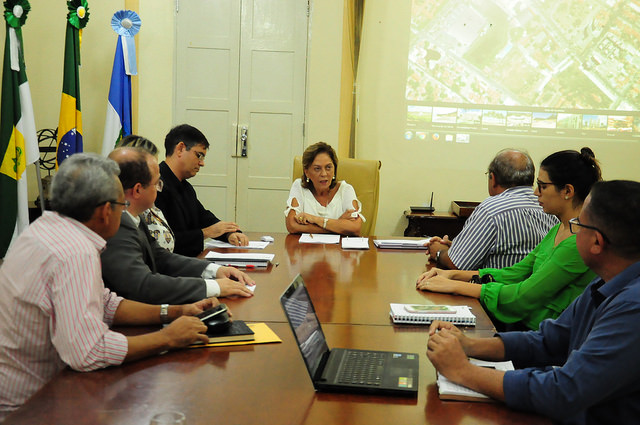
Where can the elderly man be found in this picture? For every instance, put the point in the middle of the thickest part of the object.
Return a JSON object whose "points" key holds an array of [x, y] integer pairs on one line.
{"points": [[186, 148], [505, 227], [54, 309], [135, 266], [581, 368]]}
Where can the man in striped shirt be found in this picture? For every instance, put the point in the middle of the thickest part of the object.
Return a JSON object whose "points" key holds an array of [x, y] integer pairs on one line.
{"points": [[505, 227], [54, 309]]}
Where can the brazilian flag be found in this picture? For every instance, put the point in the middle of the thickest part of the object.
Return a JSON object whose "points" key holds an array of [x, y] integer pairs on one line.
{"points": [[18, 141], [70, 123]]}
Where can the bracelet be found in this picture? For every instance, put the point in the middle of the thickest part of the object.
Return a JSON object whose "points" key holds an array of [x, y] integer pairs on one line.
{"points": [[324, 223]]}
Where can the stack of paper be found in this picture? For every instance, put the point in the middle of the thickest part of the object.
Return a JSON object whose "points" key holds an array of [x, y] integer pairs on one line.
{"points": [[401, 243], [324, 238], [451, 391], [240, 259], [213, 243], [355, 243]]}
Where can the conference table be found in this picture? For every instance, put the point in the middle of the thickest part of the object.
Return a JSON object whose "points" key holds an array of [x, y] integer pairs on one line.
{"points": [[268, 383]]}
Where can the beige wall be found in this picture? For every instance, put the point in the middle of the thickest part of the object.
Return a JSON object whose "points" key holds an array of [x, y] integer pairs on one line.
{"points": [[412, 170]]}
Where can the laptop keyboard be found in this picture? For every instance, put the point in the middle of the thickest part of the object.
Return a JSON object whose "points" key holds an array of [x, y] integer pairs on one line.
{"points": [[362, 367]]}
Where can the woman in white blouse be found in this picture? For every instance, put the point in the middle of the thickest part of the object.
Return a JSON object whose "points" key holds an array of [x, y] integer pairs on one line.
{"points": [[318, 202]]}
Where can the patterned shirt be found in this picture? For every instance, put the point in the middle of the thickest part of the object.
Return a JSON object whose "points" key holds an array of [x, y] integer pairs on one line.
{"points": [[502, 230], [54, 308]]}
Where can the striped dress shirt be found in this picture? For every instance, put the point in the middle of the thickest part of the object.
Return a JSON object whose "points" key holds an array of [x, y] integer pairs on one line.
{"points": [[54, 308], [502, 230]]}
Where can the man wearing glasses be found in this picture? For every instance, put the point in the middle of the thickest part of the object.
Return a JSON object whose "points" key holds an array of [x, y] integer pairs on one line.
{"points": [[186, 148], [54, 309], [135, 266], [581, 368]]}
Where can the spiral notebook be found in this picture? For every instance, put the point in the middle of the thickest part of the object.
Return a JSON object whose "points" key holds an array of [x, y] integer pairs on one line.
{"points": [[461, 316]]}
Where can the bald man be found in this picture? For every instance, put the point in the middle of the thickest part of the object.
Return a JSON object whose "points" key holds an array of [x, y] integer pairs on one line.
{"points": [[505, 227]]}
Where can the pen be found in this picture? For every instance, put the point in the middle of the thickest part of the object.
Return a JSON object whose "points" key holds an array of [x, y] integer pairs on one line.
{"points": [[246, 266]]}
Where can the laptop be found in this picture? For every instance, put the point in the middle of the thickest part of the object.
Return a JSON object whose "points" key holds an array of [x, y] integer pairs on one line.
{"points": [[345, 370]]}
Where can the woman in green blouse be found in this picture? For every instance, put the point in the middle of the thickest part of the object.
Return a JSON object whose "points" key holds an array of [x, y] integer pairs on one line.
{"points": [[547, 280]]}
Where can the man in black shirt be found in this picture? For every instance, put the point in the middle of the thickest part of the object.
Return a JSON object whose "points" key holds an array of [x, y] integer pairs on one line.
{"points": [[186, 148]]}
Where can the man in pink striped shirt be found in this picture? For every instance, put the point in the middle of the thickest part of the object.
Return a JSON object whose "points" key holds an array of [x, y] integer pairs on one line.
{"points": [[54, 308]]}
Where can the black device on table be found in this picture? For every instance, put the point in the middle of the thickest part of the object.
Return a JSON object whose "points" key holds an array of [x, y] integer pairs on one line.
{"points": [[216, 318]]}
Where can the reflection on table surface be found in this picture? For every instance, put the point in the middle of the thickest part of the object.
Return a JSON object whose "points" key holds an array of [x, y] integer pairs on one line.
{"points": [[346, 286]]}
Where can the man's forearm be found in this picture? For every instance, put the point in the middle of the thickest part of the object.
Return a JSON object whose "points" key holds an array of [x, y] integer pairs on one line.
{"points": [[136, 313], [141, 346], [485, 348], [484, 380]]}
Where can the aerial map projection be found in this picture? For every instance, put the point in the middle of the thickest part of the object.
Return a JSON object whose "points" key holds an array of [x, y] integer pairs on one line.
{"points": [[559, 68]]}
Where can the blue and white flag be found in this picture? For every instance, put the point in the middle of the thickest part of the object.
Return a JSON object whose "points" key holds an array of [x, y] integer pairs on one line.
{"points": [[126, 24]]}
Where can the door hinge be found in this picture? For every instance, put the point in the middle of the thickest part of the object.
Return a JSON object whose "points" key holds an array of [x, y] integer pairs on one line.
{"points": [[303, 129], [177, 6], [308, 7]]}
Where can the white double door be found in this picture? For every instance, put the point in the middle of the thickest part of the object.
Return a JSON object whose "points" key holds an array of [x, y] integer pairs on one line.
{"points": [[240, 79]]}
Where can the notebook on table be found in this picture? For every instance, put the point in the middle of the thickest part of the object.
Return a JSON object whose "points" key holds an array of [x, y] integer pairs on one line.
{"points": [[417, 314], [341, 369], [448, 390]]}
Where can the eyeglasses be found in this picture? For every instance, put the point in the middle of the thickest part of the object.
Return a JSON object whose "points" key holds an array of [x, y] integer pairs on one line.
{"points": [[542, 185], [125, 204], [574, 223], [199, 155]]}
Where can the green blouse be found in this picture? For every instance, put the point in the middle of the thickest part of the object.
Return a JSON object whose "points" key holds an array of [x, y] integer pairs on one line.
{"points": [[540, 286]]}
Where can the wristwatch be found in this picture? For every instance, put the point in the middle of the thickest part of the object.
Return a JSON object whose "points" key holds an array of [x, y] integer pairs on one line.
{"points": [[438, 257], [324, 223], [164, 313]]}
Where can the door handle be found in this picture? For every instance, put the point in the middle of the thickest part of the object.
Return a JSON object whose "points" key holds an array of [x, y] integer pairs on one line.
{"points": [[243, 138], [244, 135]]}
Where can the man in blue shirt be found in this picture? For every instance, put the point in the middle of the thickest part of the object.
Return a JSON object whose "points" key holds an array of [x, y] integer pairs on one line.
{"points": [[581, 368], [505, 227]]}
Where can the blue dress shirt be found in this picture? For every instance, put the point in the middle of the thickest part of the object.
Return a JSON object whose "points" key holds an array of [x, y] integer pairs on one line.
{"points": [[595, 348]]}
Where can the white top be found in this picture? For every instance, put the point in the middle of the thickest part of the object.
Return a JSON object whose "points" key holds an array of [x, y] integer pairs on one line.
{"points": [[341, 202]]}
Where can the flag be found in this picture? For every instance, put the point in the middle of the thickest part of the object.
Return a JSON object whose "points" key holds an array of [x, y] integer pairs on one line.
{"points": [[70, 123], [18, 140], [126, 23], [118, 122]]}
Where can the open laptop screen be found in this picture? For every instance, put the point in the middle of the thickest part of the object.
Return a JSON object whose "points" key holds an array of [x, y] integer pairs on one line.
{"points": [[304, 323]]}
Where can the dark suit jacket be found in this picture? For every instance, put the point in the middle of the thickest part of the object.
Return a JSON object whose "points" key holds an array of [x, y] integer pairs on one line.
{"points": [[185, 214], [137, 268]]}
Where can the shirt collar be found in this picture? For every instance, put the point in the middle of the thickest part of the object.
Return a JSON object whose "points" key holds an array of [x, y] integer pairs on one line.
{"points": [[167, 174], [135, 218], [601, 289], [517, 189], [98, 241]]}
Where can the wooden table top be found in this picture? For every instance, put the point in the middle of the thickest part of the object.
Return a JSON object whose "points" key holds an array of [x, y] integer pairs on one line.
{"points": [[269, 384], [346, 286]]}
